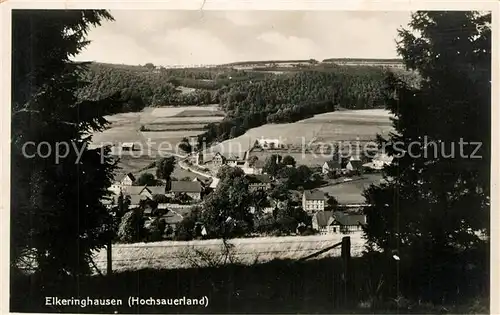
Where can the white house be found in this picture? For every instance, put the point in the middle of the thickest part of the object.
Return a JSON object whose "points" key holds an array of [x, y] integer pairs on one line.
{"points": [[313, 201], [269, 143], [128, 180]]}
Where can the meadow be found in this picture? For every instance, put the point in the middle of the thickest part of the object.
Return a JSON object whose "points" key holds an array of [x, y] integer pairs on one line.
{"points": [[202, 253], [326, 129], [351, 192], [163, 128]]}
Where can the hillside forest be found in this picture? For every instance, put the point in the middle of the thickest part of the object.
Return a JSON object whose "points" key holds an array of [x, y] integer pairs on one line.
{"points": [[250, 98]]}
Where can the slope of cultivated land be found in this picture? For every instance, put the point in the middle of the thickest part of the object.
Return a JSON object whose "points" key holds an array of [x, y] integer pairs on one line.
{"points": [[328, 128], [351, 192], [175, 255], [163, 132]]}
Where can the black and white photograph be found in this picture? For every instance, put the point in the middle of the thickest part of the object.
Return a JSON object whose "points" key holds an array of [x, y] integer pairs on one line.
{"points": [[221, 161]]}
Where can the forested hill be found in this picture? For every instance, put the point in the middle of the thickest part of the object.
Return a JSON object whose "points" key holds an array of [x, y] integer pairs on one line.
{"points": [[250, 98]]}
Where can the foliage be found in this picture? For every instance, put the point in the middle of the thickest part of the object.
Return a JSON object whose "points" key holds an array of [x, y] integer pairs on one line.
{"points": [[226, 210], [131, 228], [165, 167], [288, 160], [123, 203], [146, 179], [272, 165], [432, 206], [185, 146], [186, 229], [56, 208]]}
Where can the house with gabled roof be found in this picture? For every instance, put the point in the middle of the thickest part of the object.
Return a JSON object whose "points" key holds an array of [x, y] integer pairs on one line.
{"points": [[128, 180], [354, 165], [330, 167], [348, 222], [328, 222], [191, 188]]}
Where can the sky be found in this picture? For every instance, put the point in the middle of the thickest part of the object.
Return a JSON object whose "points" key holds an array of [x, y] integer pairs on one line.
{"points": [[214, 37]]}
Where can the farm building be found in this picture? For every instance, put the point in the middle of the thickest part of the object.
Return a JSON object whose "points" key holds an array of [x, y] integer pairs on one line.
{"points": [[150, 191], [348, 223], [193, 189], [313, 201], [323, 221], [258, 182], [328, 222], [330, 167]]}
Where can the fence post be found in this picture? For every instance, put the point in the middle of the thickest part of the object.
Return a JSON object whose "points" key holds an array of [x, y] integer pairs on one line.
{"points": [[109, 266], [346, 259]]}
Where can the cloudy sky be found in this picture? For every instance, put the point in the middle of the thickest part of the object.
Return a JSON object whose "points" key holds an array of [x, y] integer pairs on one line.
{"points": [[214, 37]]}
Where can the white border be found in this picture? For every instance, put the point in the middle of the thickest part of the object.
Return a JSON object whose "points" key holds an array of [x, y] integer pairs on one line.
{"points": [[390, 5]]}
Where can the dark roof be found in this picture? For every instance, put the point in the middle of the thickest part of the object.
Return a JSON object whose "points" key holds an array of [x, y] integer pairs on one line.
{"points": [[323, 218], [185, 186], [356, 164], [156, 190], [333, 164], [135, 199], [314, 195], [264, 178], [133, 190], [349, 219]]}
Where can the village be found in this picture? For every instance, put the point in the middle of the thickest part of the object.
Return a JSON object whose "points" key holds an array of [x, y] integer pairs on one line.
{"points": [[170, 200]]}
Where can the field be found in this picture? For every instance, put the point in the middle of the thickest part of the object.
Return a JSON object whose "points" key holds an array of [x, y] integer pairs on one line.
{"points": [[164, 128], [326, 129], [175, 255], [351, 192]]}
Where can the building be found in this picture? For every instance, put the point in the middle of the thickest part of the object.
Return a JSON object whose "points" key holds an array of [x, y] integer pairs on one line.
{"points": [[313, 201], [328, 222], [269, 143], [322, 221], [135, 190], [137, 200], [354, 166], [255, 168], [150, 191], [218, 160], [192, 189], [381, 160], [214, 183], [346, 223], [259, 182], [331, 167], [128, 146], [127, 180]]}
